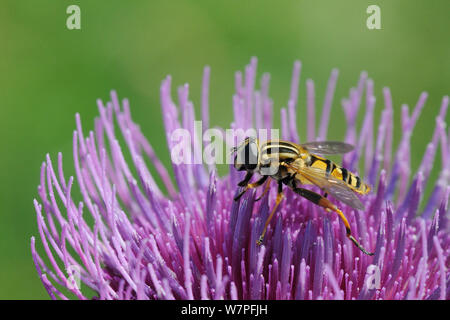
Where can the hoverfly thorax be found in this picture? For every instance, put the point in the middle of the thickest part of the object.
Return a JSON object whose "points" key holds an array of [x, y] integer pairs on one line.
{"points": [[247, 155]]}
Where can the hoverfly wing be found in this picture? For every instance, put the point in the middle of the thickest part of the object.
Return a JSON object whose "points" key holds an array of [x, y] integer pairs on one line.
{"points": [[337, 188], [347, 196], [328, 147]]}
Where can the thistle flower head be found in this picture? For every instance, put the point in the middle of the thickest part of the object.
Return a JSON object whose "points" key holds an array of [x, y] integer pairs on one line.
{"points": [[128, 237]]}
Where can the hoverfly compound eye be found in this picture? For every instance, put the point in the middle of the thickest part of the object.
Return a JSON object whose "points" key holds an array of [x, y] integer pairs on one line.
{"points": [[238, 163], [251, 155], [239, 159], [246, 155]]}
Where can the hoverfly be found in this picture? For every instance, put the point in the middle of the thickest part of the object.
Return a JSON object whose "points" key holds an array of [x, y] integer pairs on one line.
{"points": [[301, 165]]}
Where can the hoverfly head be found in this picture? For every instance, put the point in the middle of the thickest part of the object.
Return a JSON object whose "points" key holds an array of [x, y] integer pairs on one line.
{"points": [[246, 155]]}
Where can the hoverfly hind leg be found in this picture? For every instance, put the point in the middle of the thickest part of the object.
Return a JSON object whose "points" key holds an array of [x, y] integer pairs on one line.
{"points": [[328, 206]]}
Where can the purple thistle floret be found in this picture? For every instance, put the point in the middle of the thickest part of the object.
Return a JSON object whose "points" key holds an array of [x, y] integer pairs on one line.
{"points": [[192, 241]]}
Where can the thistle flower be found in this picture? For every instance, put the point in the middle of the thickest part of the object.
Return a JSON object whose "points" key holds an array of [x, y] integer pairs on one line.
{"points": [[193, 241]]}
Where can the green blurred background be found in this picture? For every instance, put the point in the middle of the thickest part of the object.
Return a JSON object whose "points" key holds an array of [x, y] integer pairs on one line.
{"points": [[48, 73]]}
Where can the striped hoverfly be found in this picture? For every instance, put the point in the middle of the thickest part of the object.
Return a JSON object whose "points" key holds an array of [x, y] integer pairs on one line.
{"points": [[297, 165]]}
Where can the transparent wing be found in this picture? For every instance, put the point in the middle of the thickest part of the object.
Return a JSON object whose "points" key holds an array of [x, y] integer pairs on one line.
{"points": [[337, 188], [328, 147]]}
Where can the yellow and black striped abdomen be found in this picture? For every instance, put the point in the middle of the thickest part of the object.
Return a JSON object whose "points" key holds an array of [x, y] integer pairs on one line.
{"points": [[338, 172]]}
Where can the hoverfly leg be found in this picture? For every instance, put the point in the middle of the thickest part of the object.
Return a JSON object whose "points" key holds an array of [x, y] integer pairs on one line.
{"points": [[266, 189], [247, 178], [251, 186], [240, 195], [243, 183], [277, 203], [325, 203]]}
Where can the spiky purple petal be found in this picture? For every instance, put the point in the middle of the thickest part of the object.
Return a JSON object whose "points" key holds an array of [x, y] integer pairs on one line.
{"points": [[150, 241]]}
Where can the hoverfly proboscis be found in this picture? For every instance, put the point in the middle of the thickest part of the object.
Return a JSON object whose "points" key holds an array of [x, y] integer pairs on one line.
{"points": [[300, 164]]}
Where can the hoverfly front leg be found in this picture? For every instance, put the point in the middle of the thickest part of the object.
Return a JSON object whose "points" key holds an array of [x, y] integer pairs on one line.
{"points": [[250, 185], [325, 203], [266, 189], [247, 178], [277, 203]]}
